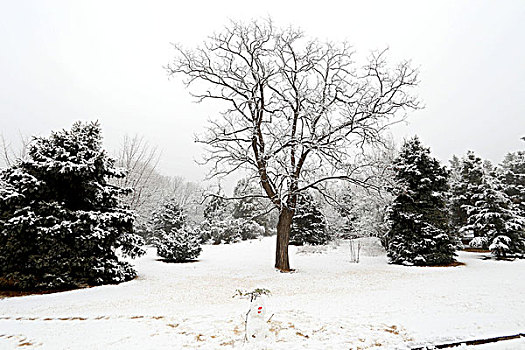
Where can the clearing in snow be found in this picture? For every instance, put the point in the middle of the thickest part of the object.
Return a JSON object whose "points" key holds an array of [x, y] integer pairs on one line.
{"points": [[327, 303]]}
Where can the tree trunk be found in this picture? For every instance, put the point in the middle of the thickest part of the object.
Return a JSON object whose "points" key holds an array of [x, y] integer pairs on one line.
{"points": [[283, 238]]}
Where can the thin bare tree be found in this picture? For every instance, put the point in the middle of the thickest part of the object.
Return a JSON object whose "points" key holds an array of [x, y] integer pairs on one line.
{"points": [[150, 189], [140, 160], [297, 111], [9, 154]]}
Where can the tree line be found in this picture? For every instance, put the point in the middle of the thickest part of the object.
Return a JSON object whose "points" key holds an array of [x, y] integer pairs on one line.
{"points": [[306, 122]]}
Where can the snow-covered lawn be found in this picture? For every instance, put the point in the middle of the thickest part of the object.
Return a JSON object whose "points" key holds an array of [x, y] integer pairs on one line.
{"points": [[328, 303]]}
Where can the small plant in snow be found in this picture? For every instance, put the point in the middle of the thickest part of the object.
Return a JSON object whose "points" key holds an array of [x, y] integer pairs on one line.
{"points": [[254, 321], [478, 242], [500, 246], [172, 238], [177, 245], [253, 295]]}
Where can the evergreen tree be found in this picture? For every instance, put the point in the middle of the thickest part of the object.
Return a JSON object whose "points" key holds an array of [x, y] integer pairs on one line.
{"points": [[168, 217], [512, 176], [495, 221], [178, 245], [309, 223], [346, 211], [466, 183], [246, 207], [173, 240], [216, 208], [60, 223], [225, 224], [251, 205], [419, 228]]}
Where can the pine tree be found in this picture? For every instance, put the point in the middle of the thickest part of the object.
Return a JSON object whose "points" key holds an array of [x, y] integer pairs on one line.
{"points": [[246, 207], [512, 176], [168, 217], [346, 211], [466, 183], [60, 223], [178, 245], [251, 205], [496, 221], [172, 238], [216, 208], [309, 223], [419, 228]]}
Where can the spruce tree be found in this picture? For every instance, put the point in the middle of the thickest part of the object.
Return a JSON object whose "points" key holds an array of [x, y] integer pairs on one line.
{"points": [[168, 217], [309, 223], [496, 222], [60, 222], [346, 211], [216, 208], [512, 176], [172, 238], [419, 226], [466, 183], [246, 207], [251, 206]]}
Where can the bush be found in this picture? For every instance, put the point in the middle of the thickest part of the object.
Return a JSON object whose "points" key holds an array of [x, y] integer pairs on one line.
{"points": [[500, 246], [170, 235], [229, 231], [478, 243], [178, 245]]}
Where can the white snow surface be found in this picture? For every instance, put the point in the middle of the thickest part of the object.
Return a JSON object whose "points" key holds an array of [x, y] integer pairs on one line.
{"points": [[327, 303]]}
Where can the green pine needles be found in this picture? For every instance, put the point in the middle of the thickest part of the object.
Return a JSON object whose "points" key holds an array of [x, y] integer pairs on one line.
{"points": [[419, 223], [60, 222]]}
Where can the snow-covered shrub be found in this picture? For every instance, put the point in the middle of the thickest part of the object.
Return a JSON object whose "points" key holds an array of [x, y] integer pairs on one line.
{"points": [[216, 208], [251, 205], [177, 245], [218, 232], [229, 231], [309, 223], [478, 242], [169, 216], [419, 222], [248, 229], [172, 238], [60, 223], [500, 246]]}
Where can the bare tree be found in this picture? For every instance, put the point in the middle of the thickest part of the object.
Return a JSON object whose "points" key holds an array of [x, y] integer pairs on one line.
{"points": [[188, 195], [362, 211], [297, 112], [140, 160], [150, 189], [10, 154]]}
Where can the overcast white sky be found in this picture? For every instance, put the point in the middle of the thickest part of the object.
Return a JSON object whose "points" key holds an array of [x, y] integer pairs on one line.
{"points": [[62, 61]]}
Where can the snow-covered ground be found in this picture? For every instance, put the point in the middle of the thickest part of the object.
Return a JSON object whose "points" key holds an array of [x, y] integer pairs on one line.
{"points": [[328, 303]]}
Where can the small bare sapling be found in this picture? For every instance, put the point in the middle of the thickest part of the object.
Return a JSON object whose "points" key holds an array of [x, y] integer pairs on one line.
{"points": [[355, 250]]}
